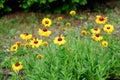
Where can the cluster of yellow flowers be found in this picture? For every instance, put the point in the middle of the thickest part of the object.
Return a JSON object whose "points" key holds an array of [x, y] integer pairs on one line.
{"points": [[96, 32], [108, 28], [34, 42]]}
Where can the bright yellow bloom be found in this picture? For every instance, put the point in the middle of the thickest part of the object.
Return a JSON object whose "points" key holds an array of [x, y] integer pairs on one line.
{"points": [[46, 22], [108, 28], [27, 45], [84, 32], [59, 18], [59, 40], [39, 56], [14, 47], [68, 24], [44, 32], [45, 43], [100, 19], [95, 31], [35, 43], [72, 12], [63, 28], [26, 36], [17, 67], [104, 43], [19, 43], [97, 37]]}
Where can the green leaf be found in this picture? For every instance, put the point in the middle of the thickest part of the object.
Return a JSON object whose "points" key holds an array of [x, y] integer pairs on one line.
{"points": [[51, 1], [1, 5], [77, 1], [43, 2]]}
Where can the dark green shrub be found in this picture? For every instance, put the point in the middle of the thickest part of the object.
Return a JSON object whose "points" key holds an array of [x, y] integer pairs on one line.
{"points": [[40, 5], [48, 6], [51, 5]]}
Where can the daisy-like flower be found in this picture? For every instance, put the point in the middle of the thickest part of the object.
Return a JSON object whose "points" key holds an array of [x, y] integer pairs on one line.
{"points": [[63, 28], [100, 19], [14, 47], [59, 18], [35, 43], [39, 56], [44, 32], [46, 22], [97, 37], [19, 43], [26, 36], [17, 66], [68, 24], [104, 43], [72, 12], [108, 28], [45, 43], [59, 40], [27, 45], [95, 31], [84, 32]]}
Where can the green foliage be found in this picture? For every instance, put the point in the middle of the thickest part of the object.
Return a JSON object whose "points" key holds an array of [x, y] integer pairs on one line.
{"points": [[80, 58], [40, 5]]}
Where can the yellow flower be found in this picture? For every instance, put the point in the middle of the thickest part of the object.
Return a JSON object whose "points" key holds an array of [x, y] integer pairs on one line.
{"points": [[17, 67], [26, 36], [19, 43], [39, 56], [46, 22], [72, 12], [27, 45], [97, 37], [108, 28], [14, 47], [100, 19], [104, 43], [35, 43], [84, 32], [84, 28], [64, 28], [59, 40], [68, 24], [44, 32], [45, 43], [95, 31], [59, 18]]}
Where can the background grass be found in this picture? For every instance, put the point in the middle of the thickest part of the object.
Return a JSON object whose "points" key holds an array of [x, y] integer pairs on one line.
{"points": [[80, 58]]}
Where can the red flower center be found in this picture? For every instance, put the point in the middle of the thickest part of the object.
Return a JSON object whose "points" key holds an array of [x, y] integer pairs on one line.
{"points": [[59, 39], [83, 33], [45, 30], [101, 19], [97, 35], [96, 29], [105, 44], [35, 42], [108, 27], [46, 22], [14, 47], [17, 64], [26, 34]]}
